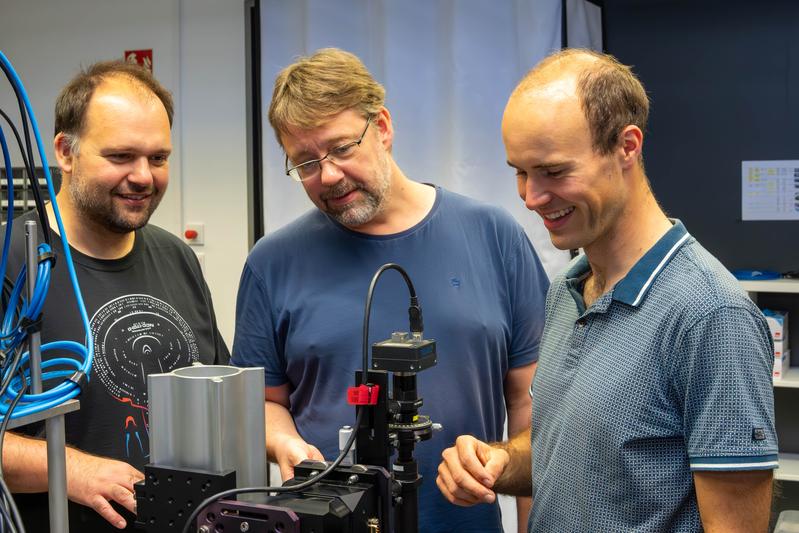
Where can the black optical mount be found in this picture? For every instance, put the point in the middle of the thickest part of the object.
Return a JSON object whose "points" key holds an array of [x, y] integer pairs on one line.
{"points": [[374, 495], [395, 422], [364, 497]]}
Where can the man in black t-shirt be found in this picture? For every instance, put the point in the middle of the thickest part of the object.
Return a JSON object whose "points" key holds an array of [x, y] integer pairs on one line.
{"points": [[150, 309]]}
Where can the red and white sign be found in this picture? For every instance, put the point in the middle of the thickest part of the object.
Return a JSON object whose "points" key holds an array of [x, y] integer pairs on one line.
{"points": [[143, 58]]}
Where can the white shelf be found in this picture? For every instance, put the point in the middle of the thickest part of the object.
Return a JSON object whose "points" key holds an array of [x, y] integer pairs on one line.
{"points": [[772, 285], [789, 462], [791, 379], [789, 467]]}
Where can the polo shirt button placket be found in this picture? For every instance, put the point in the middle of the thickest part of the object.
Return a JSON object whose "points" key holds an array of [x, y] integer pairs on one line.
{"points": [[579, 333], [577, 340]]}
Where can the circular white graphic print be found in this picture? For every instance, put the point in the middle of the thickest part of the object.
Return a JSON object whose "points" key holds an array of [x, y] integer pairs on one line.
{"points": [[136, 335]]}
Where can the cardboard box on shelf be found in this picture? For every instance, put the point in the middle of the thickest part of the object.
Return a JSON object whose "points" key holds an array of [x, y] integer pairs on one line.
{"points": [[781, 365], [777, 323], [780, 347]]}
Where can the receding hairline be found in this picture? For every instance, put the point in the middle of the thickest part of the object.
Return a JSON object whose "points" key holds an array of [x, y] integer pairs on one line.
{"points": [[559, 72], [122, 79], [109, 85]]}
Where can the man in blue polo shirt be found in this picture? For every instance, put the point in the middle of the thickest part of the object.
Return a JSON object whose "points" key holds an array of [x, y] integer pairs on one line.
{"points": [[652, 400]]}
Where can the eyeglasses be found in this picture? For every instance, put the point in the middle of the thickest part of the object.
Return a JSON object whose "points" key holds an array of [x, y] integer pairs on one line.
{"points": [[339, 154]]}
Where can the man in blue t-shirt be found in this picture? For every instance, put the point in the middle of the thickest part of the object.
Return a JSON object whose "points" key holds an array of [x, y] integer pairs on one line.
{"points": [[301, 299], [653, 405]]}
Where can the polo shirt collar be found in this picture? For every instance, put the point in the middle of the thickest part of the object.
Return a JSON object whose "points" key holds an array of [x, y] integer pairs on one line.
{"points": [[633, 288]]}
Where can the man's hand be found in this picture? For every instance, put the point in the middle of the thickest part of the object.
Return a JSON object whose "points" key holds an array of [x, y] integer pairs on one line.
{"points": [[469, 470], [292, 451], [96, 481]]}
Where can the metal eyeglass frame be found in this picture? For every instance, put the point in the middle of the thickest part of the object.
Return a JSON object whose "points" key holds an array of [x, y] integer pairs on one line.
{"points": [[294, 172]]}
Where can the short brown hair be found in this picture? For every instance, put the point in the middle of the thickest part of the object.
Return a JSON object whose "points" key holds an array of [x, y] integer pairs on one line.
{"points": [[316, 87], [72, 102], [610, 95]]}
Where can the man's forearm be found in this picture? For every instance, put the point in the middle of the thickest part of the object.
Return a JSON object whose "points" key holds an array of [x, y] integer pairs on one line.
{"points": [[279, 424], [516, 479], [519, 415], [24, 463]]}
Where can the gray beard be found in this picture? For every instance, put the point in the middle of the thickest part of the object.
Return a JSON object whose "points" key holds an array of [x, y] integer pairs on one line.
{"points": [[373, 202], [361, 213]]}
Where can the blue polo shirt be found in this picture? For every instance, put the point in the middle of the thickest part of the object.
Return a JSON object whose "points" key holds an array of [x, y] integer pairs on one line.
{"points": [[667, 373]]}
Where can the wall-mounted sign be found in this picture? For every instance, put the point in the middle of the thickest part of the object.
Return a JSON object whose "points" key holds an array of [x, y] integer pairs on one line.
{"points": [[140, 57], [770, 190]]}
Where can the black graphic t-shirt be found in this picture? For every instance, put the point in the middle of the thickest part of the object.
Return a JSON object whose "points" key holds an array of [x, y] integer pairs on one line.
{"points": [[150, 312]]}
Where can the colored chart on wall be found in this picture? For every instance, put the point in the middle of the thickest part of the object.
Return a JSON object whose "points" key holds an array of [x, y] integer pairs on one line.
{"points": [[770, 190]]}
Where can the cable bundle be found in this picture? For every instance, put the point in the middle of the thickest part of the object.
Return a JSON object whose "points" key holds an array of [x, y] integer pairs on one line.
{"points": [[22, 315]]}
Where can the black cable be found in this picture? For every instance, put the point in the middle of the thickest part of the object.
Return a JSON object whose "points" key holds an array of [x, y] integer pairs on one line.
{"points": [[37, 197], [25, 161], [292, 488], [368, 307], [15, 520], [5, 518], [16, 524], [23, 117], [29, 162], [13, 365], [7, 417]]}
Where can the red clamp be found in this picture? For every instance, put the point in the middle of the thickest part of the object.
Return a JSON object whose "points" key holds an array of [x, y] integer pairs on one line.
{"points": [[363, 395]]}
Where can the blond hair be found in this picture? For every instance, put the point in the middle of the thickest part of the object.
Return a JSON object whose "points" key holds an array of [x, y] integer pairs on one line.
{"points": [[317, 87]]}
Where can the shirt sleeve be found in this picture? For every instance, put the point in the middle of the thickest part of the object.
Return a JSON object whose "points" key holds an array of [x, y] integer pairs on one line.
{"points": [[725, 387], [255, 339], [528, 289]]}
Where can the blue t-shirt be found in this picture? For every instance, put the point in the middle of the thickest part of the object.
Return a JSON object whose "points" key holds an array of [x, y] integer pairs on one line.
{"points": [[482, 290], [668, 373]]}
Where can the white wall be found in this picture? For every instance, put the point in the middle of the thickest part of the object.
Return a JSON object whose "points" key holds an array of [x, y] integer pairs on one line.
{"points": [[198, 54], [47, 44], [214, 142]]}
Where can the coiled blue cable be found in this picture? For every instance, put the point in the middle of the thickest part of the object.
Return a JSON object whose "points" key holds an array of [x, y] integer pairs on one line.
{"points": [[13, 329]]}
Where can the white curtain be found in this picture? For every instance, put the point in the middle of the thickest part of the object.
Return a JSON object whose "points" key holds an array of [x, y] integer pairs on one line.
{"points": [[448, 67], [583, 24]]}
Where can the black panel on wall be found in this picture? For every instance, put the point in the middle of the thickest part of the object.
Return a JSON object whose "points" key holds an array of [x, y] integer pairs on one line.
{"points": [[723, 77]]}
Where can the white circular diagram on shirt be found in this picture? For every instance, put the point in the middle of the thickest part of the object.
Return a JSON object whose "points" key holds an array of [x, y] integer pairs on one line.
{"points": [[136, 335]]}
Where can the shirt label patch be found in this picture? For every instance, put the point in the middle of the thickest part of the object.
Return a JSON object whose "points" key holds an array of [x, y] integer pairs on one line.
{"points": [[758, 434]]}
